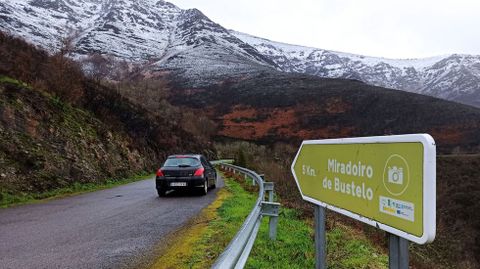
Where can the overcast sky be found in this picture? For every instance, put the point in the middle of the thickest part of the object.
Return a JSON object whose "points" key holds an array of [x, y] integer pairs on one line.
{"points": [[385, 28]]}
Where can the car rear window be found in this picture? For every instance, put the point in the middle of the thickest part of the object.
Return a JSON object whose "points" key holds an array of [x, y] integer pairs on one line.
{"points": [[182, 161]]}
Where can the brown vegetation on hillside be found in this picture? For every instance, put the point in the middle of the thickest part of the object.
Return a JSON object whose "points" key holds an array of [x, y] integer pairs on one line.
{"points": [[458, 214], [55, 74], [248, 123], [273, 107], [151, 95], [58, 128]]}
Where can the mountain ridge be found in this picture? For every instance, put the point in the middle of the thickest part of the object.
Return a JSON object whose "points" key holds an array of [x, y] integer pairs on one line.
{"points": [[186, 43], [453, 77]]}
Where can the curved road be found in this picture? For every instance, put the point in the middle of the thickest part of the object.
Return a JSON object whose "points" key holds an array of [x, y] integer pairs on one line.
{"points": [[114, 228]]}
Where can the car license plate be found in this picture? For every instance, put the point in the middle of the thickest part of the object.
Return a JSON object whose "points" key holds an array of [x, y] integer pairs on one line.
{"points": [[178, 184]]}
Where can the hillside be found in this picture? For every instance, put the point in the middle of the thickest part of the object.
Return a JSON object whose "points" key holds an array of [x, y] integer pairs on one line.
{"points": [[285, 107], [62, 129], [458, 227], [165, 39]]}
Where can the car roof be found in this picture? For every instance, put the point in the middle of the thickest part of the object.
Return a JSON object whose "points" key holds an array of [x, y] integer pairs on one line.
{"points": [[196, 156]]}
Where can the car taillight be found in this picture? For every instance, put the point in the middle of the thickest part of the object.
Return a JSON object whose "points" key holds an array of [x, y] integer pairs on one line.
{"points": [[160, 173], [199, 172]]}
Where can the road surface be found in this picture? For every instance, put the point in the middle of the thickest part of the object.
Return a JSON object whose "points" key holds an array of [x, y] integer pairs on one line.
{"points": [[114, 228]]}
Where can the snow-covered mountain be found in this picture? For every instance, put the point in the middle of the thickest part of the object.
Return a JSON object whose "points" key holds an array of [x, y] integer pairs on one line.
{"points": [[452, 77], [148, 31], [188, 44]]}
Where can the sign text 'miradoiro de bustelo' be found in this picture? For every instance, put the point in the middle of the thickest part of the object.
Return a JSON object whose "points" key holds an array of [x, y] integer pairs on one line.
{"points": [[386, 181]]}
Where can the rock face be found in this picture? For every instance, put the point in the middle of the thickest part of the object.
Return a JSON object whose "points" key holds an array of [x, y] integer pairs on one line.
{"points": [[188, 44]]}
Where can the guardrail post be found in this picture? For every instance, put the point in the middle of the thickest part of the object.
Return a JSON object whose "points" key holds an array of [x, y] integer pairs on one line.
{"points": [[273, 221], [268, 187], [271, 210]]}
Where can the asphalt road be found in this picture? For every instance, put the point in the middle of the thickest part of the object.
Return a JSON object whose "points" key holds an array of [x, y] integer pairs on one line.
{"points": [[113, 228]]}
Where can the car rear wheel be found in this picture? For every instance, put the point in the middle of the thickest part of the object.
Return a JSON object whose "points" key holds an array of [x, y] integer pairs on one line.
{"points": [[205, 187]]}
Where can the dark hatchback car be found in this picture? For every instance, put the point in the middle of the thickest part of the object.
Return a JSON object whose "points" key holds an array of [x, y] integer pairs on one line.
{"points": [[191, 172]]}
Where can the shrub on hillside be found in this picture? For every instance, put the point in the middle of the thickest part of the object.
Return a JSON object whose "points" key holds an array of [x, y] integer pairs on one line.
{"points": [[55, 74]]}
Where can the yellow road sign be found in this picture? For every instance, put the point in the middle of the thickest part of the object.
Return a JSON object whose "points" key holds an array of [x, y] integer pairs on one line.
{"points": [[388, 181]]}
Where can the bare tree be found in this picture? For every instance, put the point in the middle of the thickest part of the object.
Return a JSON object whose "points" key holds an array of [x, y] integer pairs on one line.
{"points": [[64, 75], [67, 40]]}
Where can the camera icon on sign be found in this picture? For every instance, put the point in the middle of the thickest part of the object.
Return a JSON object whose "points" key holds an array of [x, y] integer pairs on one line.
{"points": [[395, 175]]}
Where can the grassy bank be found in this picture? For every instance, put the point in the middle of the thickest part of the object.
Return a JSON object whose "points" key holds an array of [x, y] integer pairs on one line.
{"points": [[200, 243], [8, 199]]}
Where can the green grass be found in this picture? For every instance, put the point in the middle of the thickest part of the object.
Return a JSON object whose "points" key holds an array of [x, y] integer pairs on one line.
{"points": [[230, 216], [349, 251], [8, 199], [294, 247], [5, 79]]}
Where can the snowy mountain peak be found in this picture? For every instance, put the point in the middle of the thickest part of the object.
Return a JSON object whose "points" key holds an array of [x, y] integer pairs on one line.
{"points": [[453, 77]]}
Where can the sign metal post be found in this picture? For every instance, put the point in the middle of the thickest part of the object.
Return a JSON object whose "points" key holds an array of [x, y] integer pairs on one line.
{"points": [[386, 181], [398, 252], [320, 238]]}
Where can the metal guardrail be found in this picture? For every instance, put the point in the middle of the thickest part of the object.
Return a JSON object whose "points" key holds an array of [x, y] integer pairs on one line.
{"points": [[238, 250]]}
